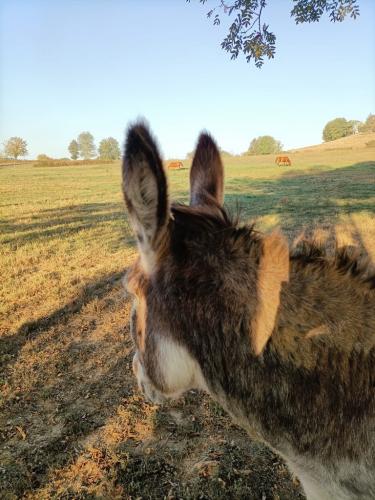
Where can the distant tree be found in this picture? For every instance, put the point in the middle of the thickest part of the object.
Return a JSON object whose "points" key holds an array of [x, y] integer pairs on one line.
{"points": [[263, 145], [337, 128], [43, 157], [369, 125], [250, 36], [86, 145], [356, 125], [109, 149], [15, 147], [73, 149], [225, 153]]}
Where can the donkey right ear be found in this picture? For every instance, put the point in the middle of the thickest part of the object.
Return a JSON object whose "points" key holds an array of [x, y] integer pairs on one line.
{"points": [[207, 173], [145, 192]]}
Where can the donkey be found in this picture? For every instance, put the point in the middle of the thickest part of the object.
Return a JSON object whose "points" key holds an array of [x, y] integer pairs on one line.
{"points": [[283, 339]]}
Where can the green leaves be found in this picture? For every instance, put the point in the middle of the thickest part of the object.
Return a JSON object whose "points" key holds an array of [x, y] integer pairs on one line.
{"points": [[109, 149], [310, 11], [15, 147], [73, 149], [263, 145], [86, 145], [337, 128], [369, 125], [249, 36]]}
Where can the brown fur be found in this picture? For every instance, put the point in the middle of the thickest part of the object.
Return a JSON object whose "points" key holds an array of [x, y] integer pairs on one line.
{"points": [[273, 271], [284, 340]]}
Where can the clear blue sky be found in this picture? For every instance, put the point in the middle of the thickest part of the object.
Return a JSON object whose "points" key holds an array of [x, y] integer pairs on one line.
{"points": [[70, 66]]}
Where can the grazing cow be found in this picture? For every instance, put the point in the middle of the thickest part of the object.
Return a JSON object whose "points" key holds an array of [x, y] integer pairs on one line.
{"points": [[283, 160], [283, 340], [175, 165]]}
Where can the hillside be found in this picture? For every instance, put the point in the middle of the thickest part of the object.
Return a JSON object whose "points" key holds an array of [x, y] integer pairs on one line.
{"points": [[362, 144], [357, 141]]}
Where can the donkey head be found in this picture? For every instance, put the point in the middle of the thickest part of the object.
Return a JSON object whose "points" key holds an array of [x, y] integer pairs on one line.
{"points": [[194, 281]]}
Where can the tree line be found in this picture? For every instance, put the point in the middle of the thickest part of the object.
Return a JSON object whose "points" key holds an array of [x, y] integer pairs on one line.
{"points": [[334, 129], [84, 147], [341, 127]]}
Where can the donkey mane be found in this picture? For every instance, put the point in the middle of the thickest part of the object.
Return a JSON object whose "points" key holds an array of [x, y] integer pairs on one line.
{"points": [[347, 260], [201, 218], [215, 220]]}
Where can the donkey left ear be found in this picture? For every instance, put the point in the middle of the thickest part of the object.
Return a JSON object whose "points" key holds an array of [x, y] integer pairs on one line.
{"points": [[145, 191], [207, 173]]}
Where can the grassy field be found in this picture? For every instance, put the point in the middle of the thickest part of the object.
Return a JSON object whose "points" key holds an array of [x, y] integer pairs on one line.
{"points": [[71, 422]]}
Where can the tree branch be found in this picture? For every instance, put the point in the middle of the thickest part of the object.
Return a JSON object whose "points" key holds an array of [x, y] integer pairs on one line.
{"points": [[258, 43]]}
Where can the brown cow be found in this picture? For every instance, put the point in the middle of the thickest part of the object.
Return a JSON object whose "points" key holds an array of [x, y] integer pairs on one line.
{"points": [[175, 165], [283, 160]]}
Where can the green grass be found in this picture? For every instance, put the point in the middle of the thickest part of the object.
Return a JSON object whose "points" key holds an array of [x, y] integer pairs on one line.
{"points": [[71, 423]]}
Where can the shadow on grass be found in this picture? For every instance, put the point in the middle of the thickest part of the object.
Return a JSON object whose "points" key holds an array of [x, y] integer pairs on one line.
{"points": [[305, 199], [64, 222], [10, 345], [63, 378], [197, 452]]}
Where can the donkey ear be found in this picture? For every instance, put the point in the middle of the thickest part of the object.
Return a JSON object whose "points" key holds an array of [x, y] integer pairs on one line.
{"points": [[206, 174], [145, 191]]}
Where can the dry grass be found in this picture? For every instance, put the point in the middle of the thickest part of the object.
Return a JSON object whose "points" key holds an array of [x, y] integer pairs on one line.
{"points": [[72, 424], [357, 141]]}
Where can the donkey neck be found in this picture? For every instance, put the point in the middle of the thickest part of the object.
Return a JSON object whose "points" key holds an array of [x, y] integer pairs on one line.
{"points": [[314, 375], [323, 309], [295, 409]]}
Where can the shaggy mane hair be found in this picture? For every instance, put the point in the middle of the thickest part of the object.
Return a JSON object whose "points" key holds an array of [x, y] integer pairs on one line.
{"points": [[347, 260], [216, 219], [202, 218]]}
